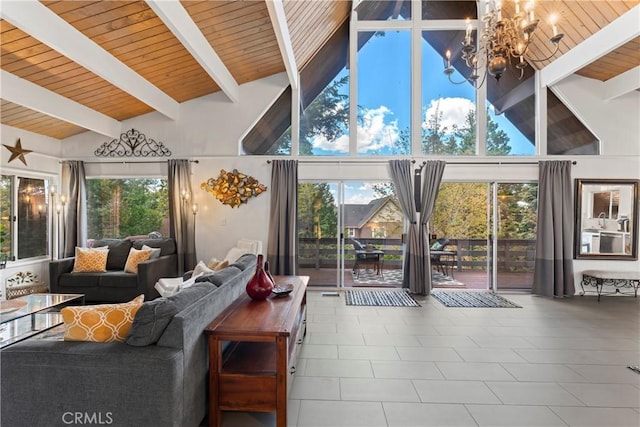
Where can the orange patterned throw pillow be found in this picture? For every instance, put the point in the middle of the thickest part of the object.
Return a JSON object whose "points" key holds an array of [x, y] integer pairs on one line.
{"points": [[91, 260], [100, 323], [136, 256]]}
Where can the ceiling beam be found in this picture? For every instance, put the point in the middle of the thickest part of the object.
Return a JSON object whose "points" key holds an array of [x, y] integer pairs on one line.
{"points": [[622, 30], [42, 23], [23, 92], [177, 19], [283, 36], [622, 84]]}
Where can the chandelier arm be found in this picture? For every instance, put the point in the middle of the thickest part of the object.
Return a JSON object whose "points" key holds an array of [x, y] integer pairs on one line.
{"points": [[547, 58]]}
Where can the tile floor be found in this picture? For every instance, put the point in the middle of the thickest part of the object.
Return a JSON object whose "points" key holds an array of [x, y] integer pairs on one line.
{"points": [[550, 363]]}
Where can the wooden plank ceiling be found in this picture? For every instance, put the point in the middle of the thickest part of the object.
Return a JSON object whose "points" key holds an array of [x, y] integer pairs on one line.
{"points": [[241, 33]]}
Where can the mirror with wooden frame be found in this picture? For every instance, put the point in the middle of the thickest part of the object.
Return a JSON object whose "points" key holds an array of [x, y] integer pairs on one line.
{"points": [[606, 219]]}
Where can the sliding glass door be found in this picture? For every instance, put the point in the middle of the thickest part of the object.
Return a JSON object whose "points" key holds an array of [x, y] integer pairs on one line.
{"points": [[349, 234], [489, 234]]}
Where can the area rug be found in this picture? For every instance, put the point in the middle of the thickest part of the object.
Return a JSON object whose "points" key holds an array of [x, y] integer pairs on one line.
{"points": [[473, 299], [377, 298], [439, 279], [368, 277]]}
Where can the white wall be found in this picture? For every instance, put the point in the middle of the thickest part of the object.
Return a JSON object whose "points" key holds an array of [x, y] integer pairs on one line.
{"points": [[43, 163]]}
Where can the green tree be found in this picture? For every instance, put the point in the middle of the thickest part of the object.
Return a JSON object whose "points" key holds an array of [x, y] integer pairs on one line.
{"points": [[126, 207], [316, 208]]}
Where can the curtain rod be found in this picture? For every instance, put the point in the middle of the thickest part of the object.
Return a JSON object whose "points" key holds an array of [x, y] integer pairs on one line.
{"points": [[131, 162], [423, 163]]}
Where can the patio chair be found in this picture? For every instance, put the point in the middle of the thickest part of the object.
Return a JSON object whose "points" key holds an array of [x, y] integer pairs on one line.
{"points": [[363, 258], [436, 259]]}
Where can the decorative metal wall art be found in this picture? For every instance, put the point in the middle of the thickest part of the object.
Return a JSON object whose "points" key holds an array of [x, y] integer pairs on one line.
{"points": [[233, 188], [17, 152], [133, 144]]}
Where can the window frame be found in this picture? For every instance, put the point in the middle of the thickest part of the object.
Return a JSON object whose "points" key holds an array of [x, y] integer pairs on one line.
{"points": [[48, 179]]}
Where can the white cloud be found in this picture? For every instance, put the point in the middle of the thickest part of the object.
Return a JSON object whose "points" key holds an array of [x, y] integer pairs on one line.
{"points": [[454, 111], [358, 198], [374, 134]]}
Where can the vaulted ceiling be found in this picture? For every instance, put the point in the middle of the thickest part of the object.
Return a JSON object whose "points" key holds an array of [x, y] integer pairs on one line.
{"points": [[72, 66]]}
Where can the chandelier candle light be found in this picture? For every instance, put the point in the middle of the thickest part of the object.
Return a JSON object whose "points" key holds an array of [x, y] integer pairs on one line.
{"points": [[503, 42]]}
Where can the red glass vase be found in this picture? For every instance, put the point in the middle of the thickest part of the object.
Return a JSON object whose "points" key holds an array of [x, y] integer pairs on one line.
{"points": [[260, 285]]}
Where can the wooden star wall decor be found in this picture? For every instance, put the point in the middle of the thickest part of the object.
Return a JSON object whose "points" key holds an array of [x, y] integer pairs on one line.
{"points": [[17, 152]]}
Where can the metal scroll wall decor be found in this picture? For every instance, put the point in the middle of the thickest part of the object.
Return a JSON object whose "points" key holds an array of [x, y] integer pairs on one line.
{"points": [[133, 144], [233, 188]]}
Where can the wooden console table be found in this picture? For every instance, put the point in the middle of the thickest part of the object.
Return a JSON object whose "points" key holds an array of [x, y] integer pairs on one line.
{"points": [[253, 348]]}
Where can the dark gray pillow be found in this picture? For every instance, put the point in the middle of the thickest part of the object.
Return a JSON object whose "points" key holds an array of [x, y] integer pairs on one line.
{"points": [[167, 246], [150, 322], [219, 278], [245, 261], [118, 252]]}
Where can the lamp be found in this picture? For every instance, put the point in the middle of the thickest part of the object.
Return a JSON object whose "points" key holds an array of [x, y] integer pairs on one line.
{"points": [[503, 41], [63, 201], [52, 192]]}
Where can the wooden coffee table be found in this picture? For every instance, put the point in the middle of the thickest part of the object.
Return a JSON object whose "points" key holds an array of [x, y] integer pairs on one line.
{"points": [[253, 348]]}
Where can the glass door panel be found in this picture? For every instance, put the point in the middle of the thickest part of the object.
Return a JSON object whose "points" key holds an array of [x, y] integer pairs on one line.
{"points": [[319, 246], [461, 217], [349, 234], [516, 232]]}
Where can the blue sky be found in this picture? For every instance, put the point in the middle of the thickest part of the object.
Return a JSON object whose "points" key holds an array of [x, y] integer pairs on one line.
{"points": [[384, 89]]}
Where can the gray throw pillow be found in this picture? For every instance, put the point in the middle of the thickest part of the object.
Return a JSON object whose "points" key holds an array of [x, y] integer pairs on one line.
{"points": [[218, 278], [155, 252], [151, 320], [118, 252]]}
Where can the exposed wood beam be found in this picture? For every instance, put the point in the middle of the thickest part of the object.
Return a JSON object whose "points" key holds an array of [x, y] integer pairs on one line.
{"points": [[280, 27], [39, 21], [622, 30], [622, 84], [515, 96], [177, 19], [23, 92]]}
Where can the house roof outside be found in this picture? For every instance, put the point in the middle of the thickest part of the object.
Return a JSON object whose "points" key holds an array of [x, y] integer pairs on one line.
{"points": [[358, 215]]}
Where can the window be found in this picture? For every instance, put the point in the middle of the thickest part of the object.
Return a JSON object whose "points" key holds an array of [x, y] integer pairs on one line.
{"points": [[384, 93], [117, 208], [24, 217]]}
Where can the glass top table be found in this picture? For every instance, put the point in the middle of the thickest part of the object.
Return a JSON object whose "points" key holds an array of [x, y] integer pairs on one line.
{"points": [[23, 317]]}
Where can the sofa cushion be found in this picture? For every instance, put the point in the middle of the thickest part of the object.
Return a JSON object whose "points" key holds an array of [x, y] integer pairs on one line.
{"points": [[244, 261], [77, 280], [100, 323], [136, 256], [90, 260], [118, 252], [167, 246], [219, 278], [117, 279]]}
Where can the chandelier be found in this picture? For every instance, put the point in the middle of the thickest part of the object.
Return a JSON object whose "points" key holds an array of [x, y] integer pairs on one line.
{"points": [[503, 43]]}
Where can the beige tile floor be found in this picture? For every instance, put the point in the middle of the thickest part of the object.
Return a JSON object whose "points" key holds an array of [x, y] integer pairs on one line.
{"points": [[550, 363]]}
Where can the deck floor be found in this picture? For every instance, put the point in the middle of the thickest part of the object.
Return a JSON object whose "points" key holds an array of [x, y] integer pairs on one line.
{"points": [[471, 279]]}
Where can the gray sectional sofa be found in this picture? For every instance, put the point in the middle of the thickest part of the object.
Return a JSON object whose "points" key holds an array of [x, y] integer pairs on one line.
{"points": [[158, 377], [116, 285]]}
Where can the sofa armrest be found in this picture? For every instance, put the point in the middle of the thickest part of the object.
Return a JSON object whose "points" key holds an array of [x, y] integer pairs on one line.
{"points": [[58, 268], [149, 272], [129, 386]]}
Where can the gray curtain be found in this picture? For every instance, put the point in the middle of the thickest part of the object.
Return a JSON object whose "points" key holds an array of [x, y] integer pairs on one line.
{"points": [[181, 221], [553, 274], [282, 249], [432, 176], [74, 221], [402, 177]]}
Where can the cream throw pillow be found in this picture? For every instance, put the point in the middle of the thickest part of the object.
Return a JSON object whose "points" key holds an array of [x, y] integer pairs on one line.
{"points": [[100, 323], [90, 260], [201, 269], [136, 256]]}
